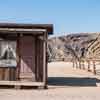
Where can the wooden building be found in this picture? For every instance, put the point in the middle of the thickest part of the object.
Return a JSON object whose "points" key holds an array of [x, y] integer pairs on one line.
{"points": [[23, 48]]}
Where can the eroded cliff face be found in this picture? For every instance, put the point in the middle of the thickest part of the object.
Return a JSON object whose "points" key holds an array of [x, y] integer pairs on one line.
{"points": [[69, 46]]}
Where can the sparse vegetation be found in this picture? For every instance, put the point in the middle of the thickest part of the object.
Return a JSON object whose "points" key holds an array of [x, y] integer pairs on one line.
{"points": [[70, 46]]}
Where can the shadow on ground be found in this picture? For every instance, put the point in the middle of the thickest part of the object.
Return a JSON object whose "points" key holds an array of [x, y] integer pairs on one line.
{"points": [[72, 81]]}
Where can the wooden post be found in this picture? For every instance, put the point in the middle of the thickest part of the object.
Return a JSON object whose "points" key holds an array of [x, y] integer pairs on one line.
{"points": [[36, 66], [94, 67], [79, 64], [73, 64], [18, 56], [83, 65], [7, 74], [76, 65], [88, 66], [18, 61], [44, 60]]}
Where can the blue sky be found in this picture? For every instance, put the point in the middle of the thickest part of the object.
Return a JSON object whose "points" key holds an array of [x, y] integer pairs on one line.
{"points": [[68, 16]]}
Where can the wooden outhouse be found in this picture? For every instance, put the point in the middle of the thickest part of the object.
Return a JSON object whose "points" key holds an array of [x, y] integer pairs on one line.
{"points": [[23, 54]]}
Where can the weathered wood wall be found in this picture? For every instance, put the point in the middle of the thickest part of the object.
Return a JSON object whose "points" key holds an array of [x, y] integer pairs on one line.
{"points": [[14, 73], [7, 73], [27, 53]]}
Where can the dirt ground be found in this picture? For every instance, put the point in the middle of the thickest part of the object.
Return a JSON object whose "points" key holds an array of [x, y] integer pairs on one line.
{"points": [[64, 83]]}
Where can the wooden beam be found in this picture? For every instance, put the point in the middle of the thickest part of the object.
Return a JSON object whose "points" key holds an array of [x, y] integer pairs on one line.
{"points": [[20, 30], [89, 66], [94, 67], [44, 61], [21, 83], [18, 57], [73, 64], [48, 27], [80, 64], [35, 58], [83, 65], [76, 64]]}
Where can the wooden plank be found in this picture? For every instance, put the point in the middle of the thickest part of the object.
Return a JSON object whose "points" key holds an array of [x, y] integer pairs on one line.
{"points": [[12, 74], [83, 65], [80, 64], [89, 66], [18, 57], [94, 67], [39, 60], [7, 74], [93, 59], [21, 83], [44, 61], [73, 64], [3, 74], [36, 58], [48, 27], [76, 64], [24, 31], [46, 66], [0, 73]]}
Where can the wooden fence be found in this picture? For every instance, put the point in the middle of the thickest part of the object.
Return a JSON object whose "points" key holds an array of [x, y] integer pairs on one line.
{"points": [[87, 64]]}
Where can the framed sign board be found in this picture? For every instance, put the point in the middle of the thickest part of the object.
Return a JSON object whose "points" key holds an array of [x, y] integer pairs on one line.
{"points": [[8, 54]]}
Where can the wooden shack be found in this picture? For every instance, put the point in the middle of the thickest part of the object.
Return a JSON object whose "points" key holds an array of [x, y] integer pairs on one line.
{"points": [[23, 48]]}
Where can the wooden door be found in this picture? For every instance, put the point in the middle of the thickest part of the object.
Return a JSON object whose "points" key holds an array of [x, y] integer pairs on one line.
{"points": [[27, 61]]}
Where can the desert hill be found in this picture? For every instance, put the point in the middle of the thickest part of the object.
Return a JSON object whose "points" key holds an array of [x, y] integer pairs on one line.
{"points": [[69, 46]]}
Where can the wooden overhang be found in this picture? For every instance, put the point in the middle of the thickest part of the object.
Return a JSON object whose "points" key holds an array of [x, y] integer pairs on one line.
{"points": [[13, 31], [26, 28]]}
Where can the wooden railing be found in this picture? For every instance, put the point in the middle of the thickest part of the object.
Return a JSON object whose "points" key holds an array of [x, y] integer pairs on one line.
{"points": [[87, 64]]}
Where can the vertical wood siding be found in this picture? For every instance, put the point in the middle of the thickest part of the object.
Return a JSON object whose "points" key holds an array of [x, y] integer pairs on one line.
{"points": [[27, 53], [7, 74], [29, 61]]}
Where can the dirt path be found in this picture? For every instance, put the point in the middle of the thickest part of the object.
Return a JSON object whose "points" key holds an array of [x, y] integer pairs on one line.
{"points": [[65, 83]]}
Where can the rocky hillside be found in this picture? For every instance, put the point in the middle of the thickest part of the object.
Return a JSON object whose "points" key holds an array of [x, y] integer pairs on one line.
{"points": [[70, 46]]}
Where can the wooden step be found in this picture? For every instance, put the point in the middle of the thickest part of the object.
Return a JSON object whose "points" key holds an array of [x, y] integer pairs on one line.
{"points": [[21, 83]]}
